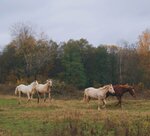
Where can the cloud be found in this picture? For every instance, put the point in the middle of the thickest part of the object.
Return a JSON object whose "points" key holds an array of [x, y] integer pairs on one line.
{"points": [[99, 21]]}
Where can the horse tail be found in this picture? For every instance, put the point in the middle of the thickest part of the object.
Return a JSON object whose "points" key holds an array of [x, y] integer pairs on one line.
{"points": [[85, 96], [16, 91]]}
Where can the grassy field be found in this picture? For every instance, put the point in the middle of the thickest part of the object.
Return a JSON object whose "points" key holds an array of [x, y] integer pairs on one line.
{"points": [[65, 117]]}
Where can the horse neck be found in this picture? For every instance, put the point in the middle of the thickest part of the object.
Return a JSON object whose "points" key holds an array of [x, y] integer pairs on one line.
{"points": [[31, 85], [129, 90], [105, 91], [47, 86], [126, 90]]}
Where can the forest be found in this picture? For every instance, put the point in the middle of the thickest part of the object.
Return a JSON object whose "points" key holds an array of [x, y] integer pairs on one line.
{"points": [[74, 62]]}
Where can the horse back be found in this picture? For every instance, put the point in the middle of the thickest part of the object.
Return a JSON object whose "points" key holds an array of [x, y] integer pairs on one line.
{"points": [[93, 92], [42, 88], [120, 89]]}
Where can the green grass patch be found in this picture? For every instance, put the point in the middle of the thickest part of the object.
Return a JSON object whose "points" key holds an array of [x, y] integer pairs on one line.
{"points": [[73, 118]]}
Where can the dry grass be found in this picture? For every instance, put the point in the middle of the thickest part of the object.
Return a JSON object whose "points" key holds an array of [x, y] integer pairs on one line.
{"points": [[66, 115]]}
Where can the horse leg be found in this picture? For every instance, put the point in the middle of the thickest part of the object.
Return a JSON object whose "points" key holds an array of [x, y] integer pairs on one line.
{"points": [[84, 98], [99, 104], [118, 100], [38, 96], [19, 97], [49, 96], [31, 96], [89, 98], [104, 103], [28, 97], [44, 97]]}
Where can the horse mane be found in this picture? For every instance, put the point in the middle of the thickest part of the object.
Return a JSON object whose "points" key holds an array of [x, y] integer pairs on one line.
{"points": [[121, 89], [125, 86], [104, 87]]}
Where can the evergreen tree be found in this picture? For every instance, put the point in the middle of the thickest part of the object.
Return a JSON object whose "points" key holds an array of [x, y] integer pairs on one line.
{"points": [[73, 67]]}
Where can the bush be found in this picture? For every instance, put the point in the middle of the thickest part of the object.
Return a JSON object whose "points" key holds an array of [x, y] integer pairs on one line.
{"points": [[7, 89], [62, 89], [140, 87]]}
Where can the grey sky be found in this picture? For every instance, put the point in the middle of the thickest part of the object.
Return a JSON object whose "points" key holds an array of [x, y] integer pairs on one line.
{"points": [[99, 21]]}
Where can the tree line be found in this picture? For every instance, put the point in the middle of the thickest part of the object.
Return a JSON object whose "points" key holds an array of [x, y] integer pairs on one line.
{"points": [[76, 62]]}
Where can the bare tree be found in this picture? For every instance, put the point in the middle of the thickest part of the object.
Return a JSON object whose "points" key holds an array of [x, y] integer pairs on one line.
{"points": [[25, 41]]}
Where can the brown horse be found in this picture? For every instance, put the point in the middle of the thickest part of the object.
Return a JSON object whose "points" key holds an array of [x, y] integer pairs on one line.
{"points": [[120, 90]]}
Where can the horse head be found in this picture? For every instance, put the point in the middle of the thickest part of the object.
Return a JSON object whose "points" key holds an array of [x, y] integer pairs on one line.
{"points": [[49, 82], [111, 89], [35, 83], [132, 91]]}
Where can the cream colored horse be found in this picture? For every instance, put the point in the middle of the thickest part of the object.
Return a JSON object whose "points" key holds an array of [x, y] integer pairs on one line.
{"points": [[26, 89], [99, 93], [44, 89]]}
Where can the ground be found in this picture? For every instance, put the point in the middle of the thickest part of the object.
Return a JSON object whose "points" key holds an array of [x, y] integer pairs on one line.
{"points": [[73, 117]]}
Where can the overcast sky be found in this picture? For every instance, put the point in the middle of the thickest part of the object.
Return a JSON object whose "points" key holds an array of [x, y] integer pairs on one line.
{"points": [[99, 21]]}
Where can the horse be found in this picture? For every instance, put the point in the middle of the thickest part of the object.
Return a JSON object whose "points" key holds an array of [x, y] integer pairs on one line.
{"points": [[120, 90], [44, 89], [26, 89], [98, 93]]}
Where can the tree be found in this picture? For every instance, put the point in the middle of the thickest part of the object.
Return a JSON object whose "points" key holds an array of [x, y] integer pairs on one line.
{"points": [[54, 65], [24, 39], [11, 64], [144, 53], [113, 52], [73, 67], [144, 42], [36, 52], [101, 65]]}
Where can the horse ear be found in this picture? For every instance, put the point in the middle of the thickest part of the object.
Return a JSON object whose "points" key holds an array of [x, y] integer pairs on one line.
{"points": [[110, 84], [106, 87]]}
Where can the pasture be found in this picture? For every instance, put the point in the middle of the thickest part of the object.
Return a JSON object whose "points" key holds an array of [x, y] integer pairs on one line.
{"points": [[73, 117]]}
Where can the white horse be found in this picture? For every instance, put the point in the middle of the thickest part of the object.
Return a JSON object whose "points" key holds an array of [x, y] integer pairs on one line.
{"points": [[99, 93], [26, 89], [44, 89]]}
